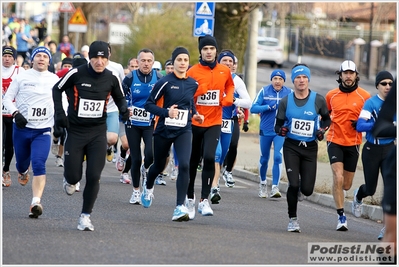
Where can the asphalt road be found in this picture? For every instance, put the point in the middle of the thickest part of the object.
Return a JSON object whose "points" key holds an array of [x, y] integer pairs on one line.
{"points": [[245, 229]]}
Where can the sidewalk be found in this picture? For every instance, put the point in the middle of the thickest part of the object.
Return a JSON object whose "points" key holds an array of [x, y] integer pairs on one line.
{"points": [[247, 165]]}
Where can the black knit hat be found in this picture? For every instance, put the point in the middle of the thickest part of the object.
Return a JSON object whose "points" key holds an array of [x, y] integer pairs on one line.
{"points": [[9, 50], [67, 60], [179, 50], [206, 40], [168, 62], [98, 49], [382, 75]]}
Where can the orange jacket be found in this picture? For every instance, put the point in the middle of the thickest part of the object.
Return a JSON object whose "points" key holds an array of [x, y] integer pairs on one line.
{"points": [[343, 108], [216, 79]]}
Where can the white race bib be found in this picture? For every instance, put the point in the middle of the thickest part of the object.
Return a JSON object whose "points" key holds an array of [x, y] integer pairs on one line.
{"points": [[211, 98], [226, 126], [38, 113], [179, 121], [302, 127], [140, 114], [89, 108]]}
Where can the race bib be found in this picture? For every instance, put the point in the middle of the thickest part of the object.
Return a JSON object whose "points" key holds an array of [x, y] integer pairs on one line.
{"points": [[179, 121], [140, 114], [37, 114], [302, 127], [89, 108], [211, 98], [226, 126]]}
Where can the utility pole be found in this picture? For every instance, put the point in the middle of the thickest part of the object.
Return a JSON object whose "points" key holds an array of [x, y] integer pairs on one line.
{"points": [[251, 62], [370, 39]]}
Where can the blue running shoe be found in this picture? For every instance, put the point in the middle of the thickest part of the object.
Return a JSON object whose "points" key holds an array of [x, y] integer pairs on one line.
{"points": [[342, 224], [146, 197], [180, 214]]}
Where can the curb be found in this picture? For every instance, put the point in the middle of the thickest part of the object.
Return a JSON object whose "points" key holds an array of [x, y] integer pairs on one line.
{"points": [[371, 212]]}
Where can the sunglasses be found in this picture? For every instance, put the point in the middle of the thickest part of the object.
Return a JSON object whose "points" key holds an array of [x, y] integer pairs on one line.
{"points": [[385, 84]]}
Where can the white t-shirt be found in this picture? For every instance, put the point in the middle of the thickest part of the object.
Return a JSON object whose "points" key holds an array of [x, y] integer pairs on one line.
{"points": [[117, 70], [33, 94]]}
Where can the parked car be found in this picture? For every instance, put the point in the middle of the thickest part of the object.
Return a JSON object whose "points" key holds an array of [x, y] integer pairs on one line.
{"points": [[270, 51]]}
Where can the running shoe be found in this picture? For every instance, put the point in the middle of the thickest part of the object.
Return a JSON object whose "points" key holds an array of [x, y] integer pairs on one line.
{"points": [[23, 179], [356, 206], [174, 173], [59, 162], [204, 208], [54, 148], [228, 179], [159, 180], [190, 205], [110, 154], [199, 168], [6, 179], [215, 195], [114, 159], [275, 193], [135, 198], [69, 189], [120, 164], [382, 233], [342, 224], [77, 187], [180, 214], [262, 190], [293, 225], [85, 223], [146, 197], [125, 178], [35, 210]]}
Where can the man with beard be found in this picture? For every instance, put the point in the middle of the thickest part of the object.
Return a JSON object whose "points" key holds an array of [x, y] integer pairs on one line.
{"points": [[344, 104]]}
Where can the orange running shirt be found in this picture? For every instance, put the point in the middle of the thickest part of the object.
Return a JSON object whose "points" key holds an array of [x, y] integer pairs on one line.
{"points": [[216, 89], [343, 108]]}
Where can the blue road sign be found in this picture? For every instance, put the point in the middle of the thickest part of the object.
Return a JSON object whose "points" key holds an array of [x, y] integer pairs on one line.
{"points": [[203, 26], [205, 9]]}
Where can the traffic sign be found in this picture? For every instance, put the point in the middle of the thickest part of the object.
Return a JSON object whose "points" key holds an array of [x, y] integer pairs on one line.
{"points": [[205, 9], [66, 7], [203, 26], [78, 22], [78, 17]]}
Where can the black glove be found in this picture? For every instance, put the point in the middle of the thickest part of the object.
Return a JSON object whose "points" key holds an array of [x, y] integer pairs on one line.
{"points": [[320, 134], [124, 115], [20, 120], [245, 127], [354, 123], [58, 131], [61, 120], [283, 131]]}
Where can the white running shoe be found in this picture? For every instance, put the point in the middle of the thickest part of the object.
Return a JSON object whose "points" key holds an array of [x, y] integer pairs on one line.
{"points": [[356, 206], [54, 148], [342, 223], [85, 223], [125, 179], [293, 225], [120, 164], [136, 197], [262, 190], [204, 208], [190, 205], [228, 179], [275, 193], [59, 162], [69, 188], [77, 187], [159, 180], [174, 173], [180, 214]]}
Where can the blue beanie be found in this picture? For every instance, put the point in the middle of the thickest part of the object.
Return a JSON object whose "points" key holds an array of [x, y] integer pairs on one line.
{"points": [[40, 49], [278, 72], [300, 70], [226, 54]]}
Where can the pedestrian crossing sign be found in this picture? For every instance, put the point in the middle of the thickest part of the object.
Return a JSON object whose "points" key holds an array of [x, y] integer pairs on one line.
{"points": [[78, 17], [205, 9]]}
